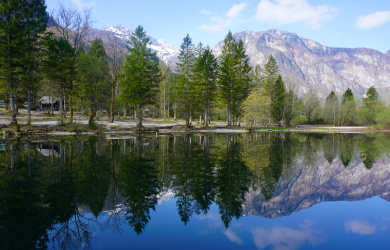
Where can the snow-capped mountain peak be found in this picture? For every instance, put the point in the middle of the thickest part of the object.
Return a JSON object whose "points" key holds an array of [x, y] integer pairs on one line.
{"points": [[164, 50]]}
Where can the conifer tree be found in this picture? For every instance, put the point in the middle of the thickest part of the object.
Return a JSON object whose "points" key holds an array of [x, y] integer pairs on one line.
{"points": [[270, 73], [234, 78], [141, 73], [13, 30], [278, 95], [58, 66], [93, 70], [185, 88], [348, 108], [371, 106], [36, 23], [206, 73]]}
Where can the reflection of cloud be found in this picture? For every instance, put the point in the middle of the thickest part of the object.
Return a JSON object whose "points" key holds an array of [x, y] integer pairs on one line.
{"points": [[221, 23], [373, 20], [214, 218], [359, 227], [233, 237], [285, 238], [293, 11]]}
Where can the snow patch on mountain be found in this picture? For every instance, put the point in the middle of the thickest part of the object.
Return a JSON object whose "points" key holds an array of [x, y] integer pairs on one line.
{"points": [[164, 50]]}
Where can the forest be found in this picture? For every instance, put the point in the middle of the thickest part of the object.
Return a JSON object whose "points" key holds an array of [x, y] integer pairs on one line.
{"points": [[51, 54]]}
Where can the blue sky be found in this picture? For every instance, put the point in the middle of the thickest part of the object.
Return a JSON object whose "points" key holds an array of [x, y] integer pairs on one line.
{"points": [[333, 23]]}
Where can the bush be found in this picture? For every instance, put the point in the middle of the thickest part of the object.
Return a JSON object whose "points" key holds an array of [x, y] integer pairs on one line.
{"points": [[301, 119], [382, 119]]}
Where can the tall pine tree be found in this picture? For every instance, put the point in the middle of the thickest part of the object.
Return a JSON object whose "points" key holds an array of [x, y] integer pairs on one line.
{"points": [[234, 78], [206, 73], [141, 73], [185, 88]]}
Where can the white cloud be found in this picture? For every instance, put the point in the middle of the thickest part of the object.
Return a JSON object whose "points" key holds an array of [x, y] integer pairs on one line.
{"points": [[205, 12], [81, 5], [280, 237], [235, 10], [233, 237], [293, 11], [222, 23], [359, 227], [373, 20]]}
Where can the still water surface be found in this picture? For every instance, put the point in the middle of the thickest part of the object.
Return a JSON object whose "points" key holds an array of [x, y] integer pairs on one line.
{"points": [[258, 191]]}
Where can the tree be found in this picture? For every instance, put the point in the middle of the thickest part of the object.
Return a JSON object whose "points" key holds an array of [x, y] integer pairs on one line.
{"points": [[311, 107], [185, 88], [278, 95], [114, 68], [73, 27], [348, 108], [36, 23], [331, 109], [165, 89], [234, 78], [206, 73], [13, 30], [256, 107], [58, 65], [93, 69], [270, 73], [243, 85], [141, 73], [371, 106]]}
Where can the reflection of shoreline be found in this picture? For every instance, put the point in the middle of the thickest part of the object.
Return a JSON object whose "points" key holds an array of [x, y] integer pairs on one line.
{"points": [[308, 186]]}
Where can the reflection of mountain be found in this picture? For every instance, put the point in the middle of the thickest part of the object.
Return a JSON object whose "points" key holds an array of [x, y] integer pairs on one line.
{"points": [[302, 187]]}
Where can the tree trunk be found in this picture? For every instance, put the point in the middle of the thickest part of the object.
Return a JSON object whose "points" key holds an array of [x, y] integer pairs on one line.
{"points": [[92, 116], [70, 118], [229, 113], [112, 105], [61, 104], [140, 115]]}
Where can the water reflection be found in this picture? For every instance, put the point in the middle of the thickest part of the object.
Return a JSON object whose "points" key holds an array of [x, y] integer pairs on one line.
{"points": [[63, 190]]}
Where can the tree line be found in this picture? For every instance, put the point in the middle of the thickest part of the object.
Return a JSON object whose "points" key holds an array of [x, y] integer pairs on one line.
{"points": [[91, 76]]}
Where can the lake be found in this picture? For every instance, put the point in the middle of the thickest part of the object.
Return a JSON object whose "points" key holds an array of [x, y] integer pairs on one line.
{"points": [[200, 191]]}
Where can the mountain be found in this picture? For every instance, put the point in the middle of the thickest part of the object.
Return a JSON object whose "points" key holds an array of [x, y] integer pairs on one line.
{"points": [[314, 66], [164, 50]]}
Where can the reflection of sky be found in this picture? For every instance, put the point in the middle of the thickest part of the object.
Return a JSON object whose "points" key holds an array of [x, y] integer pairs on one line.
{"points": [[328, 225]]}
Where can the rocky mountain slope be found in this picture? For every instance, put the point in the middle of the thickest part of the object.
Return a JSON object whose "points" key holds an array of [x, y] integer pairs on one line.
{"points": [[302, 187], [314, 66]]}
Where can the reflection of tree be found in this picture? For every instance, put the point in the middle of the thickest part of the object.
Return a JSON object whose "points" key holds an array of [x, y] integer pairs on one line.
{"points": [[347, 147], [368, 151], [24, 220], [184, 162], [311, 148], [139, 184], [114, 221], [92, 169], [330, 146], [232, 181]]}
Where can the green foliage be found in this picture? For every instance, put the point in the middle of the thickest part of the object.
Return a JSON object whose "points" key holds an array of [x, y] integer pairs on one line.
{"points": [[331, 111], [256, 107], [371, 106], [206, 73], [141, 73], [270, 73], [348, 114], [382, 119], [234, 78], [300, 119], [278, 96], [186, 95], [94, 86]]}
